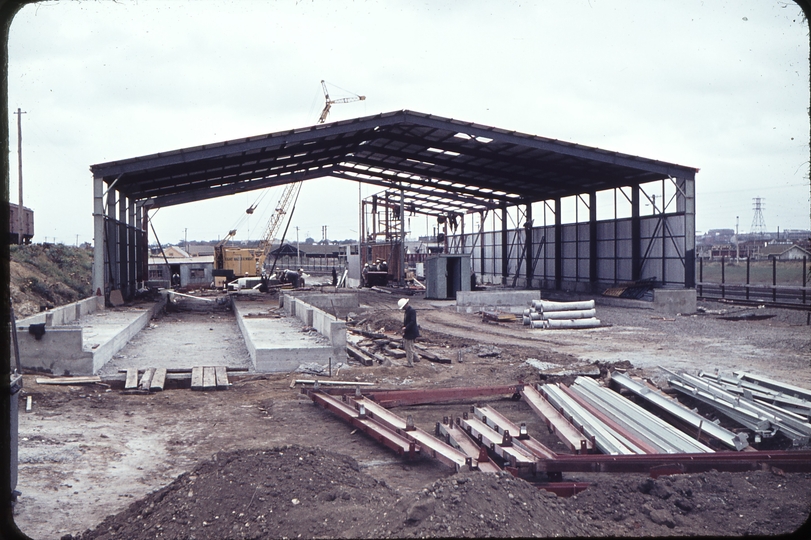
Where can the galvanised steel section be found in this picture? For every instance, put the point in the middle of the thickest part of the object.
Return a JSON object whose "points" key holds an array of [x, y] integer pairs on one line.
{"points": [[647, 425], [787, 422], [439, 165], [760, 393], [783, 388], [636, 439], [736, 441], [555, 421], [603, 437]]}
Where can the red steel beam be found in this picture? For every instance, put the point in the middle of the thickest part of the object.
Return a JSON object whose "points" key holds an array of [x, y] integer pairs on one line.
{"points": [[458, 438], [398, 398], [501, 423], [381, 434], [658, 464], [445, 453]]}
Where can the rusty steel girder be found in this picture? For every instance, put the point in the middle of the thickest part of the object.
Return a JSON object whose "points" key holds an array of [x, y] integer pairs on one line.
{"points": [[383, 435], [663, 464], [400, 398]]}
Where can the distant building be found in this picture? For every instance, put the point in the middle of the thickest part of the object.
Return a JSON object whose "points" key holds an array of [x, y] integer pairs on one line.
{"points": [[200, 250], [14, 224], [783, 252], [185, 272]]}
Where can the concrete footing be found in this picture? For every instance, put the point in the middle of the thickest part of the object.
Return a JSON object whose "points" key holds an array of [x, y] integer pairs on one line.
{"points": [[78, 338], [507, 300], [277, 346], [674, 301]]}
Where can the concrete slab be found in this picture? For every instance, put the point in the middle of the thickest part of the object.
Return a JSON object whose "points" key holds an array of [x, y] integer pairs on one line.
{"points": [[674, 301], [507, 300], [278, 345]]}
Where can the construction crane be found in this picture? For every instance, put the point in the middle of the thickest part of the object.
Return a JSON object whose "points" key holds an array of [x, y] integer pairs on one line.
{"points": [[330, 102]]}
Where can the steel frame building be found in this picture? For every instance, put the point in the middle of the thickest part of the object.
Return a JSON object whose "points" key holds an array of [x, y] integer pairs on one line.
{"points": [[438, 167]]}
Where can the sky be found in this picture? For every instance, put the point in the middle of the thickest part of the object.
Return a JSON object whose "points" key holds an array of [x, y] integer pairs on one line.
{"points": [[721, 86]]}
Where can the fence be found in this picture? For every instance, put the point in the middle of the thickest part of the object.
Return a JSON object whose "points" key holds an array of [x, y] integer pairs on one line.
{"points": [[773, 281]]}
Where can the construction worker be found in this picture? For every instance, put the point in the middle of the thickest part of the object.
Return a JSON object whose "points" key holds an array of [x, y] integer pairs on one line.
{"points": [[411, 330]]}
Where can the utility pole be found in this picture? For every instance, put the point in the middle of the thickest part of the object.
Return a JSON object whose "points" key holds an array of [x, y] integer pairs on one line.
{"points": [[298, 256], [20, 216], [186, 238], [737, 242]]}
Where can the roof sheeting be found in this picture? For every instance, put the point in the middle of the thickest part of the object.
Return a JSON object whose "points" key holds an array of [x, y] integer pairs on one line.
{"points": [[440, 164]]}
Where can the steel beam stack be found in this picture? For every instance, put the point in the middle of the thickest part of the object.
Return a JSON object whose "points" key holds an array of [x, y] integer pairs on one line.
{"points": [[764, 419], [547, 314], [736, 441]]}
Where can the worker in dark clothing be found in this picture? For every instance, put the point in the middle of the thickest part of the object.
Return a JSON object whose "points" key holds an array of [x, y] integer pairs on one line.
{"points": [[334, 277], [411, 330]]}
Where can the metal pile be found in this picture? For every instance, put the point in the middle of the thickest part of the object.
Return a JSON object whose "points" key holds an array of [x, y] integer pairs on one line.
{"points": [[764, 406], [548, 314]]}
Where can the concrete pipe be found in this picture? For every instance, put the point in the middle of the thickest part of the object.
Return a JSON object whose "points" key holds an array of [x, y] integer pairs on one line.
{"points": [[575, 314], [536, 316], [547, 305], [573, 323], [527, 312], [526, 320], [538, 324], [536, 304]]}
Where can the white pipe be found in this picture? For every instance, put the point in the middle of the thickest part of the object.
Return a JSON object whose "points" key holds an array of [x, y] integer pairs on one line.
{"points": [[573, 323], [576, 314], [547, 305]]}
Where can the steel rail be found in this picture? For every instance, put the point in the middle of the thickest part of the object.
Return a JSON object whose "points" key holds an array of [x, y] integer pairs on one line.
{"points": [[732, 440], [740, 386], [555, 421], [445, 453]]}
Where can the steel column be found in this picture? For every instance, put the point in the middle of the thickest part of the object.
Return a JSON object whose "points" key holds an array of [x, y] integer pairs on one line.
{"points": [[505, 258], [636, 234], [558, 245], [528, 252], [98, 237], [593, 266]]}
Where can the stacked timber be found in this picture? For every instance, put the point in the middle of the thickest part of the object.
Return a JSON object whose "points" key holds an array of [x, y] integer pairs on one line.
{"points": [[548, 314]]}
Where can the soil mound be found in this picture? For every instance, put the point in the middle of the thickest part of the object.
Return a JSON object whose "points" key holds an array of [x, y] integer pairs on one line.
{"points": [[292, 492]]}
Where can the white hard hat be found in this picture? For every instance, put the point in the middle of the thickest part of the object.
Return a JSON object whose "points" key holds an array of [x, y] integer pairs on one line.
{"points": [[401, 303]]}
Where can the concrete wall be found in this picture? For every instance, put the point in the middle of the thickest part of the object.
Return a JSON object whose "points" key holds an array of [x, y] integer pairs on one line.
{"points": [[325, 324], [66, 314], [509, 300], [338, 303]]}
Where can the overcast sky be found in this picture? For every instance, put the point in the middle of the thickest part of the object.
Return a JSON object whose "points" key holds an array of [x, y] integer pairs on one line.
{"points": [[720, 86]]}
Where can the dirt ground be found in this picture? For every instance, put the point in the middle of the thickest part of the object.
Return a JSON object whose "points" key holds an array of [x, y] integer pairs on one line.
{"points": [[259, 460]]}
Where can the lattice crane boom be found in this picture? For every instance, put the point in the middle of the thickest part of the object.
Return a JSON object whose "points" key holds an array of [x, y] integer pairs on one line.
{"points": [[329, 102]]}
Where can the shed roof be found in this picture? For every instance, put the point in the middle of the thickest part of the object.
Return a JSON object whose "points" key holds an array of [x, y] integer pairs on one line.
{"points": [[440, 164]]}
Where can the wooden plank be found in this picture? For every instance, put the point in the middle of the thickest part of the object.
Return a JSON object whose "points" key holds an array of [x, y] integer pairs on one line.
{"points": [[69, 380], [359, 355], [158, 380], [132, 379], [146, 378], [197, 378], [209, 378], [222, 378]]}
